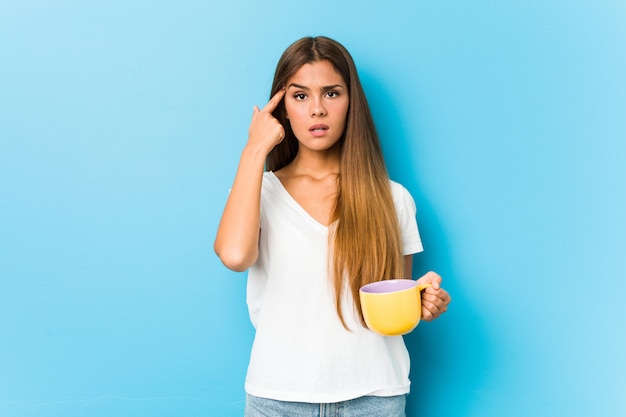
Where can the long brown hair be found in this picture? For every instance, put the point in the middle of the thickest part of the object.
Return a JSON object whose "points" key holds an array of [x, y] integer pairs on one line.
{"points": [[365, 238]]}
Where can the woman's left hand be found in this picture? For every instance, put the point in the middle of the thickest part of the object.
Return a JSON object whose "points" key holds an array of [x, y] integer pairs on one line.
{"points": [[435, 299]]}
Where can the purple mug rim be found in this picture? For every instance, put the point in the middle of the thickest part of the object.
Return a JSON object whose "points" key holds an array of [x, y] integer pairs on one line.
{"points": [[389, 286]]}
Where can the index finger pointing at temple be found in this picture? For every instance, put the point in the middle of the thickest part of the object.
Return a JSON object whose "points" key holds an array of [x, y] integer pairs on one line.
{"points": [[273, 103]]}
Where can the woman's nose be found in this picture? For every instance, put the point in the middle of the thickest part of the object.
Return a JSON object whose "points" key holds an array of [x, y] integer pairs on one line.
{"points": [[317, 108]]}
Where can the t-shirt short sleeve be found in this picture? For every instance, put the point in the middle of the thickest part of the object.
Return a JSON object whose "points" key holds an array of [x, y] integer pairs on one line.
{"points": [[406, 211]]}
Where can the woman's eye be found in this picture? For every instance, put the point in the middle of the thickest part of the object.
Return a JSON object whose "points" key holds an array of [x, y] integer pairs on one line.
{"points": [[299, 96], [332, 94]]}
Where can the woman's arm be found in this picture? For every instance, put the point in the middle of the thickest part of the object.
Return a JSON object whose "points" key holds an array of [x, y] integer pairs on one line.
{"points": [[408, 266], [237, 238]]}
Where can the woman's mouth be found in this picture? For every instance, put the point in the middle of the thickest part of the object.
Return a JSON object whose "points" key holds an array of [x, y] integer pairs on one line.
{"points": [[318, 130]]}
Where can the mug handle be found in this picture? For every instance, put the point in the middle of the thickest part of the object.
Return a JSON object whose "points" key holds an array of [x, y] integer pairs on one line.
{"points": [[421, 288]]}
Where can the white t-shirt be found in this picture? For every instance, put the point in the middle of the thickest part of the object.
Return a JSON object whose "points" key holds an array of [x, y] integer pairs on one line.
{"points": [[301, 351]]}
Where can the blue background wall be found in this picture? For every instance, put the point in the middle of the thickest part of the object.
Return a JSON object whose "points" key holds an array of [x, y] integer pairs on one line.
{"points": [[121, 124]]}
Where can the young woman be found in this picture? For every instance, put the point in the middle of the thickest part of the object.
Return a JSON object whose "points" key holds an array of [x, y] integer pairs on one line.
{"points": [[314, 216]]}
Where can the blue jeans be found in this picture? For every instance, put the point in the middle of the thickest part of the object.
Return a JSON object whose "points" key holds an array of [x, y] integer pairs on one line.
{"points": [[369, 406]]}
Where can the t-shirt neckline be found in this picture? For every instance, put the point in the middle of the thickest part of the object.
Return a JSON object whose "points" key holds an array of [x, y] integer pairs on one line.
{"points": [[297, 205]]}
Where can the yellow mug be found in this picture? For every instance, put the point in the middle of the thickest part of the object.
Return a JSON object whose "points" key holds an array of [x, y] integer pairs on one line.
{"points": [[392, 307]]}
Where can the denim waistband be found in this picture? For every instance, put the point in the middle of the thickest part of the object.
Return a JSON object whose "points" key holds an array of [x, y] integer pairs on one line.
{"points": [[368, 406]]}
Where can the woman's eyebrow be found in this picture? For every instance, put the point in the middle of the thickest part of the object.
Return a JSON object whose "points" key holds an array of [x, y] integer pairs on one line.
{"points": [[332, 87], [301, 87]]}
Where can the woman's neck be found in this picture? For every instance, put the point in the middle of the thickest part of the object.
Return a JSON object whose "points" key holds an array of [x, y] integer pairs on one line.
{"points": [[314, 164]]}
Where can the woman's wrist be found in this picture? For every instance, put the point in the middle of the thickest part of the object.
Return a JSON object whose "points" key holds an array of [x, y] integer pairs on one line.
{"points": [[253, 155]]}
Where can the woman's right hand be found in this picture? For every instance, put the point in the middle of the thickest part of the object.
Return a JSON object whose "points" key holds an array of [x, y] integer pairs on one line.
{"points": [[265, 130]]}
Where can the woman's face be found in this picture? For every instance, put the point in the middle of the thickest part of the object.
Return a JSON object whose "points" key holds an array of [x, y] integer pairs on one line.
{"points": [[317, 101]]}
